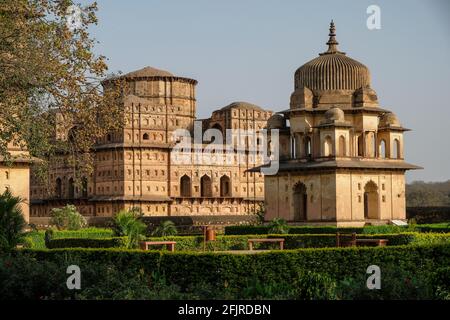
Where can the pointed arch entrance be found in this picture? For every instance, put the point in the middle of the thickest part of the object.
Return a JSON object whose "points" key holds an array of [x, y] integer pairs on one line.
{"points": [[300, 198], [371, 208]]}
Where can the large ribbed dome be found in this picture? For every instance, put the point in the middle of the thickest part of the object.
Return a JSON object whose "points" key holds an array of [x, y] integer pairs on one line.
{"points": [[332, 70]]}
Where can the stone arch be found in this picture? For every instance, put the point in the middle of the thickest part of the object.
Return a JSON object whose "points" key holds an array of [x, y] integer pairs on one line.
{"points": [[225, 186], [300, 198], [361, 145], [205, 186], [145, 136], [307, 146], [382, 149], [58, 188], [84, 186], [342, 146], [396, 154], [371, 207], [328, 147], [185, 186], [71, 189]]}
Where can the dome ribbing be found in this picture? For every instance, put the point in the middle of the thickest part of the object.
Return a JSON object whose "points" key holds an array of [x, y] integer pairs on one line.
{"points": [[332, 70]]}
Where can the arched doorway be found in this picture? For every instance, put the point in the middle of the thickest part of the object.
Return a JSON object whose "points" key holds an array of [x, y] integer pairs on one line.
{"points": [[185, 186], [205, 186], [371, 210], [71, 188], [300, 202], [225, 186], [58, 188]]}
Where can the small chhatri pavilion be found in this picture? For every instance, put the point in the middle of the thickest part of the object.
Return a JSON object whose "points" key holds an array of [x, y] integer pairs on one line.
{"points": [[342, 155]]}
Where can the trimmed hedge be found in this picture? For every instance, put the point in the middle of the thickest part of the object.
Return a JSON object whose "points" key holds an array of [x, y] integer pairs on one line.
{"points": [[235, 270], [240, 242], [86, 243], [264, 229], [37, 237]]}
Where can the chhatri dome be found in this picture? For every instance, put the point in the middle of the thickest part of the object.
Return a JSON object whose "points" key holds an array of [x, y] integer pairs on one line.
{"points": [[332, 70]]}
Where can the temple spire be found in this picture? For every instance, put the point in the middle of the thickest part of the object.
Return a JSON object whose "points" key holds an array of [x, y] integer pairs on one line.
{"points": [[332, 42]]}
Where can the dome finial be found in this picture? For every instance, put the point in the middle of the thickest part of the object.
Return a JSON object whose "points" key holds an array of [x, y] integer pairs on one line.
{"points": [[332, 42]]}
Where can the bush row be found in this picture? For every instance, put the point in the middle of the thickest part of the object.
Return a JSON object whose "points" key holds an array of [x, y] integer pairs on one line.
{"points": [[115, 242], [408, 272], [264, 229], [240, 242], [36, 238]]}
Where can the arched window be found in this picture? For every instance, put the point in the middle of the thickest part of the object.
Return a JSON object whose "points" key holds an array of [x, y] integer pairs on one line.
{"points": [[225, 188], [185, 186], [300, 198], [328, 147], [396, 152], [342, 146], [382, 150], [145, 136], [71, 189], [84, 190], [205, 186], [108, 137], [361, 145], [307, 146], [58, 188], [371, 210]]}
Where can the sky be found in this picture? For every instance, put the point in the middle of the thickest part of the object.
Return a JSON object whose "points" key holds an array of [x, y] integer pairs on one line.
{"points": [[248, 50]]}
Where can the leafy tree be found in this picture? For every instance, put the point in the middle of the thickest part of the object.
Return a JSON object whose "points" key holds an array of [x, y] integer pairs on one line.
{"points": [[278, 226], [127, 224], [68, 218], [51, 96], [260, 213], [12, 222], [165, 228], [428, 194]]}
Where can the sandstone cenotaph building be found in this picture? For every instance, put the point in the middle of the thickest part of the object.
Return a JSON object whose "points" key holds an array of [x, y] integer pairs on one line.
{"points": [[342, 155]]}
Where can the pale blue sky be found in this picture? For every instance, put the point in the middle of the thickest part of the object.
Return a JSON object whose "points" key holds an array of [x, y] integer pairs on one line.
{"points": [[248, 50]]}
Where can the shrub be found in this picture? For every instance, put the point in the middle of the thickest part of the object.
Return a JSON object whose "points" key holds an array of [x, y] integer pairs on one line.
{"points": [[38, 237], [288, 274], [67, 218], [441, 227], [165, 228], [240, 242], [260, 213], [278, 226], [87, 243], [127, 223], [12, 222], [48, 237]]}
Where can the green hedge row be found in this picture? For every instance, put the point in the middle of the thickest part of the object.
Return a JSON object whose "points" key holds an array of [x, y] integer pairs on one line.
{"points": [[264, 229], [240, 242], [407, 271], [36, 238], [115, 242]]}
